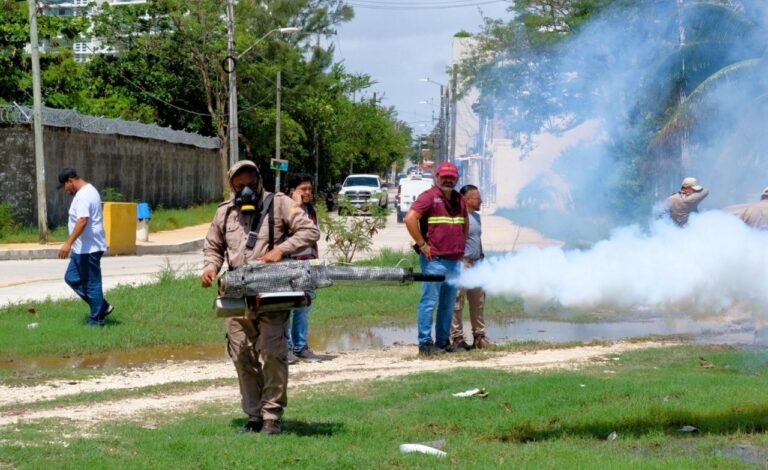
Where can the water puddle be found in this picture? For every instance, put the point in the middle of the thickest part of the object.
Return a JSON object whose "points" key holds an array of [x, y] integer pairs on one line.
{"points": [[528, 329], [714, 331]]}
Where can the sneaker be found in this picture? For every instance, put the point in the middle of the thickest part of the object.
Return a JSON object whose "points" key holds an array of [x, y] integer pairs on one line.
{"points": [[430, 349], [291, 359], [307, 355], [459, 343], [450, 348], [272, 426], [253, 425], [481, 342]]}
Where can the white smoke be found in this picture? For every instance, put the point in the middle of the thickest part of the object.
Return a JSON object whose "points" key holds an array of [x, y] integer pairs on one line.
{"points": [[709, 266]]}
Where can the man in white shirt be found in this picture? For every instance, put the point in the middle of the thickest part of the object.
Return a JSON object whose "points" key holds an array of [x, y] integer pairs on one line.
{"points": [[86, 245]]}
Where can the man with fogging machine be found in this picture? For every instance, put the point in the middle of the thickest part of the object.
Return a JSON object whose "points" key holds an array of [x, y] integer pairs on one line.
{"points": [[756, 215], [682, 203], [256, 226], [437, 222], [473, 253]]}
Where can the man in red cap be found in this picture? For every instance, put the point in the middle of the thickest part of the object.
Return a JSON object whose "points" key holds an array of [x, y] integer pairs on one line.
{"points": [[438, 224]]}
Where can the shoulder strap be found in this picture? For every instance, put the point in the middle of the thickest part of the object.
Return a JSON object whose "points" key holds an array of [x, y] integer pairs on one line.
{"points": [[271, 222], [257, 221], [224, 238]]}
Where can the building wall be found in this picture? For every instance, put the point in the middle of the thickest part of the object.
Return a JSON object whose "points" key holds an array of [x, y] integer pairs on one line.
{"points": [[157, 172]]}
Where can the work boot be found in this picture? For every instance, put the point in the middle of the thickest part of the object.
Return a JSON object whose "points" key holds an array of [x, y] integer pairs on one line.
{"points": [[253, 425], [430, 349], [481, 342], [272, 427], [459, 344], [307, 355], [291, 358]]}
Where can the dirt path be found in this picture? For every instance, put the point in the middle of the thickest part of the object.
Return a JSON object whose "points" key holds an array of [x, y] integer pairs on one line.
{"points": [[350, 366]]}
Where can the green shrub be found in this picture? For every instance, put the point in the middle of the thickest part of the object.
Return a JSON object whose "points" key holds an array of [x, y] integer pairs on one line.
{"points": [[112, 195], [7, 223]]}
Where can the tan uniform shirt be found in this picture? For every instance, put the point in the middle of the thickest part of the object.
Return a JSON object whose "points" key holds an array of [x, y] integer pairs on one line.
{"points": [[294, 231], [756, 215], [680, 205]]}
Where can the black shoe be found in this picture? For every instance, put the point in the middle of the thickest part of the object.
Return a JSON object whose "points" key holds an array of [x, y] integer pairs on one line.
{"points": [[449, 348], [272, 426], [103, 315], [253, 425], [307, 355], [430, 349]]}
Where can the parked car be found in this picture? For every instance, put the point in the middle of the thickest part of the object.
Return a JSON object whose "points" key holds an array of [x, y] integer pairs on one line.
{"points": [[364, 190], [410, 188]]}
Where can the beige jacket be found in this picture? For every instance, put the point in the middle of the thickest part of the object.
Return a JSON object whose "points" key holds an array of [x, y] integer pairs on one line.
{"points": [[756, 215], [680, 205], [294, 231]]}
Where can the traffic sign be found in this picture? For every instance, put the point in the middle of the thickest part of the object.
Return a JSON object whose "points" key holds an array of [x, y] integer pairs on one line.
{"points": [[278, 164]]}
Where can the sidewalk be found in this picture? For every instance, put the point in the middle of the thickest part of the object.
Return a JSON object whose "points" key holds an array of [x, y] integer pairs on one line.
{"points": [[182, 240], [499, 235]]}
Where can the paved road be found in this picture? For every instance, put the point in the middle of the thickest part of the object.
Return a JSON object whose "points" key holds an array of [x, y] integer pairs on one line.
{"points": [[37, 279]]}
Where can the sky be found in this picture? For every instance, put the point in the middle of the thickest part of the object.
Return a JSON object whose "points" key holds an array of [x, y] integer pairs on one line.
{"points": [[397, 47]]}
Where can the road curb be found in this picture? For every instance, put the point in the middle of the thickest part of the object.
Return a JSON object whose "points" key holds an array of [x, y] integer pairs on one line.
{"points": [[53, 253]]}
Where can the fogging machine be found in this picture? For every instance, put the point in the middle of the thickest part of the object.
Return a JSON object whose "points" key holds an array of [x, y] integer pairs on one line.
{"points": [[260, 288]]}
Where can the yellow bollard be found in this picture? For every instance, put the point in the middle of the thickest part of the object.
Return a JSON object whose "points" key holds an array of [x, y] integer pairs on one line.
{"points": [[120, 226]]}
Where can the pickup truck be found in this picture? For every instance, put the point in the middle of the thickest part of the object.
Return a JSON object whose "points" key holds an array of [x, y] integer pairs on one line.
{"points": [[363, 191]]}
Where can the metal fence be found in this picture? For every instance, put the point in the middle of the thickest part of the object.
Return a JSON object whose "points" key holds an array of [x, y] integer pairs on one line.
{"points": [[17, 114]]}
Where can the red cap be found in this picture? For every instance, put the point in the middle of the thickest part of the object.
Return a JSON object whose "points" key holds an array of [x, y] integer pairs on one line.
{"points": [[447, 169]]}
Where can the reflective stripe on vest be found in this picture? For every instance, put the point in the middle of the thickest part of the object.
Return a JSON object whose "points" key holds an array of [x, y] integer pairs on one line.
{"points": [[445, 220]]}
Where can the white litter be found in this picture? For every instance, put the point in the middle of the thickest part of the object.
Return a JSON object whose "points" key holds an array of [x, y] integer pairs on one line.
{"points": [[421, 448], [689, 428], [475, 392], [32, 326]]}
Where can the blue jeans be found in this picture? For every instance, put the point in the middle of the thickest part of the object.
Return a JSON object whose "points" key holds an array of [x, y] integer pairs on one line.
{"points": [[84, 277], [297, 338], [440, 294]]}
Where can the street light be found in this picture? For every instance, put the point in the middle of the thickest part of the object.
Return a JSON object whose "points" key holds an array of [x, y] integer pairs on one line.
{"points": [[442, 122], [229, 65]]}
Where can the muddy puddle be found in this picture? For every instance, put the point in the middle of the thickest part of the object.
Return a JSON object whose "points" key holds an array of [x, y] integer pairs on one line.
{"points": [[715, 331]]}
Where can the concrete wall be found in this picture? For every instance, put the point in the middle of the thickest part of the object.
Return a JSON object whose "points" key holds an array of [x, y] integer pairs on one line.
{"points": [[157, 172]]}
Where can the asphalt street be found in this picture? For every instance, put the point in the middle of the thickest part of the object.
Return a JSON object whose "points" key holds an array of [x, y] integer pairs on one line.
{"points": [[22, 280]]}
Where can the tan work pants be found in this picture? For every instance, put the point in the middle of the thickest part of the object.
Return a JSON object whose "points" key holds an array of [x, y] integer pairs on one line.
{"points": [[476, 298], [259, 350]]}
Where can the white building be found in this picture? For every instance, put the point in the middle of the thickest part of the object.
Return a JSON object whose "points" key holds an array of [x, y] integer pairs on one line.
{"points": [[468, 130], [86, 48]]}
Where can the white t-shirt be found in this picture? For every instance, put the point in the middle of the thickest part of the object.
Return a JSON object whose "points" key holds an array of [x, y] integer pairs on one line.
{"points": [[87, 203]]}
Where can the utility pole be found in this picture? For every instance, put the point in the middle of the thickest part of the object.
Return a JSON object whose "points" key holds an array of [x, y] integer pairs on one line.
{"points": [[37, 122], [452, 119], [277, 129], [315, 136], [443, 124], [232, 59]]}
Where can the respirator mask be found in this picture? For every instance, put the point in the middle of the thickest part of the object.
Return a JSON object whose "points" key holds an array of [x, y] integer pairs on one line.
{"points": [[247, 200]]}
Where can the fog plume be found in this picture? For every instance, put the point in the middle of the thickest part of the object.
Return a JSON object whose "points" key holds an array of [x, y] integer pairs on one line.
{"points": [[711, 265]]}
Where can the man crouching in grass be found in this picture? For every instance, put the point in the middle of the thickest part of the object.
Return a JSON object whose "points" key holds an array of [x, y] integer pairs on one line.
{"points": [[259, 347]]}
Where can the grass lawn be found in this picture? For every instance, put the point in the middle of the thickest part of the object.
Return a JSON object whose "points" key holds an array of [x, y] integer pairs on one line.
{"points": [[162, 219], [177, 311], [556, 419]]}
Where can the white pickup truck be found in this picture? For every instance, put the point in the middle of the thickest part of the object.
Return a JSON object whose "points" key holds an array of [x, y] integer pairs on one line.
{"points": [[364, 190], [409, 189]]}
